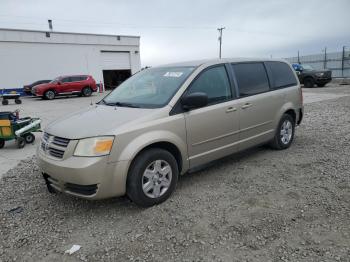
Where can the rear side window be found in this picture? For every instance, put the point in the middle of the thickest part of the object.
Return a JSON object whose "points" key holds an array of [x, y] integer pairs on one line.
{"points": [[282, 75], [214, 82], [251, 78]]}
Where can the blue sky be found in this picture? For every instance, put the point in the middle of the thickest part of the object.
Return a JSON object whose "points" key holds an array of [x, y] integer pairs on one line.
{"points": [[181, 30]]}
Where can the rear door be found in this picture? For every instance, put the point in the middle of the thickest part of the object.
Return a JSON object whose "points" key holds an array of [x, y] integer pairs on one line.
{"points": [[212, 131], [77, 83], [257, 106]]}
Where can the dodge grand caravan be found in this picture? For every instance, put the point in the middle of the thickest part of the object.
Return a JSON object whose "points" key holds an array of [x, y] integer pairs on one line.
{"points": [[163, 121]]}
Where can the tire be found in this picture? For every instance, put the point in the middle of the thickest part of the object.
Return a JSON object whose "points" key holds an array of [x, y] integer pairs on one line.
{"points": [[309, 82], [29, 138], [49, 95], [283, 139], [321, 85], [2, 143], [18, 101], [150, 189], [21, 142], [5, 102], [86, 91]]}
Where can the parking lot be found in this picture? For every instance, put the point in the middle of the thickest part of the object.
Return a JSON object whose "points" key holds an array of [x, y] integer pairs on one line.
{"points": [[259, 205]]}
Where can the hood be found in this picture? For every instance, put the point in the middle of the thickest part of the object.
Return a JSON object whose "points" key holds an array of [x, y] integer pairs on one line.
{"points": [[98, 121]]}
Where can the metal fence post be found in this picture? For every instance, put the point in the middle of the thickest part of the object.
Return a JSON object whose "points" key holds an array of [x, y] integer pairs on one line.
{"points": [[325, 58]]}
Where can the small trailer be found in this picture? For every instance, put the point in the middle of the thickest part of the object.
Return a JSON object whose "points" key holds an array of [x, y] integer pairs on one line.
{"points": [[12, 127], [7, 97]]}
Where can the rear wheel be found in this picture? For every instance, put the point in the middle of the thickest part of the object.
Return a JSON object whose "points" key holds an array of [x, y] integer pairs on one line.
{"points": [[50, 94], [284, 134], [29, 138], [2, 142], [309, 83], [5, 102], [152, 177], [21, 142], [18, 101], [86, 91]]}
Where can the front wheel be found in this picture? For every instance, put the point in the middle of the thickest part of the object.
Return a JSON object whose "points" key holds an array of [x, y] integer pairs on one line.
{"points": [[21, 142], [5, 102], [152, 177], [49, 95], [284, 134], [309, 83], [29, 138]]}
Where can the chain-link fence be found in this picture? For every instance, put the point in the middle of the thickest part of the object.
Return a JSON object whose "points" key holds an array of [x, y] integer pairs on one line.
{"points": [[338, 62]]}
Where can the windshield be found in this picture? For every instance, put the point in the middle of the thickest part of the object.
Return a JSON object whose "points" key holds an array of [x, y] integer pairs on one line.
{"points": [[55, 80], [307, 67], [150, 88]]}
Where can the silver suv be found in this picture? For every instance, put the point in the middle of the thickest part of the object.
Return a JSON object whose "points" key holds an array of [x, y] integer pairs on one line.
{"points": [[166, 120]]}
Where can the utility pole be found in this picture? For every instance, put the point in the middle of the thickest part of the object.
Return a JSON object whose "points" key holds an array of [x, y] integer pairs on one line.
{"points": [[298, 58], [220, 39], [325, 58]]}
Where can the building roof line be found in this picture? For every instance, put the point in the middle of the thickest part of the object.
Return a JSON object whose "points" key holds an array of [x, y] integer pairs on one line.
{"points": [[60, 32]]}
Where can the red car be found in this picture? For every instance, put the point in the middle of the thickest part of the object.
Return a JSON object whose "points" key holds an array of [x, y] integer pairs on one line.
{"points": [[82, 85]]}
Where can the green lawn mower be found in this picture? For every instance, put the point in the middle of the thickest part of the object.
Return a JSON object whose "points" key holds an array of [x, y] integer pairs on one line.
{"points": [[21, 129]]}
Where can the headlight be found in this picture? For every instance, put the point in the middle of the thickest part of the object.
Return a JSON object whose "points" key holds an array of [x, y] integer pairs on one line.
{"points": [[319, 74], [95, 146]]}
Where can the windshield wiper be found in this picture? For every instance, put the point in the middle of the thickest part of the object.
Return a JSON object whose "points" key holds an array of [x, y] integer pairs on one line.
{"points": [[123, 104]]}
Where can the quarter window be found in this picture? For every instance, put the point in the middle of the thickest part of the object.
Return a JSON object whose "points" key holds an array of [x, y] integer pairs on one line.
{"points": [[282, 75], [251, 78], [214, 82]]}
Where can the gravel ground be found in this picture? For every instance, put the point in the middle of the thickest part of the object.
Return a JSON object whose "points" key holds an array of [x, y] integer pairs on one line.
{"points": [[260, 205]]}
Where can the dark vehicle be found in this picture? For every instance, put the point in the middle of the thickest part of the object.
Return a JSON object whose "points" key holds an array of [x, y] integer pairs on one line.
{"points": [[309, 76], [27, 89]]}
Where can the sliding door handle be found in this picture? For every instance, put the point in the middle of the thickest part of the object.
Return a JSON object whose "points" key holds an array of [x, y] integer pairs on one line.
{"points": [[246, 105], [231, 109]]}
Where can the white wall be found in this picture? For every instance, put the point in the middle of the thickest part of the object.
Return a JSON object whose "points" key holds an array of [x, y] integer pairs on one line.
{"points": [[25, 62]]}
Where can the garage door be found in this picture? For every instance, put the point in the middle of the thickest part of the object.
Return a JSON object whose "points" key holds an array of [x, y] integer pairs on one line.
{"points": [[115, 60]]}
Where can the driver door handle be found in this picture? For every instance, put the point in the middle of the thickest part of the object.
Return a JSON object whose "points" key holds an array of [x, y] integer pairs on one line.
{"points": [[246, 105]]}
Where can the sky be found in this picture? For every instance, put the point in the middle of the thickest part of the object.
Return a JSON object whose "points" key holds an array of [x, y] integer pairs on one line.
{"points": [[182, 30]]}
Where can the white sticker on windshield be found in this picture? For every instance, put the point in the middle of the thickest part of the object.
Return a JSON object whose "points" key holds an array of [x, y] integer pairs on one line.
{"points": [[173, 74]]}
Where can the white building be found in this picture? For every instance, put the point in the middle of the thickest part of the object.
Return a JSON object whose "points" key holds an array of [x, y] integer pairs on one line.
{"points": [[27, 56]]}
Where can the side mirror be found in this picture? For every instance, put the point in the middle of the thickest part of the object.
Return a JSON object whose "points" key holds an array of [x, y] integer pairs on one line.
{"points": [[194, 100], [59, 82]]}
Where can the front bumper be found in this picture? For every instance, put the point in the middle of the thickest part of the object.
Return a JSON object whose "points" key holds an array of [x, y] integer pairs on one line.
{"points": [[85, 177], [323, 80]]}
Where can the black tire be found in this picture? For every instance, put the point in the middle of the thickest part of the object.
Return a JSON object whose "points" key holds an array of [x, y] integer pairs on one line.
{"points": [[2, 143], [5, 102], [21, 142], [86, 91], [29, 138], [18, 101], [49, 94], [321, 85], [309, 82], [135, 180], [279, 142]]}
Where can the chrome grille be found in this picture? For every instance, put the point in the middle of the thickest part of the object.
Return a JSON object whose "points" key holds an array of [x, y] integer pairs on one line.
{"points": [[53, 145], [60, 141]]}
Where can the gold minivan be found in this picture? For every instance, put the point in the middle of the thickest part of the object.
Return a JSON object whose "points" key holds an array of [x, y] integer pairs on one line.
{"points": [[166, 120]]}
